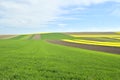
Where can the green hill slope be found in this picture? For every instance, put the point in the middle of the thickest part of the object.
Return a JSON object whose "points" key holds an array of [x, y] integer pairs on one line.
{"points": [[39, 60]]}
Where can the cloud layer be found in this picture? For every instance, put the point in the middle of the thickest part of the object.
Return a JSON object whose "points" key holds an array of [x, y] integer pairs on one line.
{"points": [[37, 13]]}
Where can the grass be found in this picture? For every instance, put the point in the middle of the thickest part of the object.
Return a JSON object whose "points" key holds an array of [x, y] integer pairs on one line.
{"points": [[55, 36], [19, 37], [22, 37], [39, 60]]}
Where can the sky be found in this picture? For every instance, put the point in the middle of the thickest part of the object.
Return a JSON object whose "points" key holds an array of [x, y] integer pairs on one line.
{"points": [[35, 16]]}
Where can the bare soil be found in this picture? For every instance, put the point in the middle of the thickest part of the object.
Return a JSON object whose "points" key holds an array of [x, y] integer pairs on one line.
{"points": [[114, 50], [36, 37]]}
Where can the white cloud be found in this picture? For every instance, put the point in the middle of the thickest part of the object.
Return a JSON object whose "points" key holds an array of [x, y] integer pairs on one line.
{"points": [[115, 11], [34, 13], [62, 25]]}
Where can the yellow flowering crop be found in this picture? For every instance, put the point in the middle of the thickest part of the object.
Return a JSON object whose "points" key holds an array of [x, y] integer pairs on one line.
{"points": [[116, 44]]}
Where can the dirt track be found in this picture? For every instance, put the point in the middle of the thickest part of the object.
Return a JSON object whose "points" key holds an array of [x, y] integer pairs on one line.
{"points": [[114, 50], [36, 37]]}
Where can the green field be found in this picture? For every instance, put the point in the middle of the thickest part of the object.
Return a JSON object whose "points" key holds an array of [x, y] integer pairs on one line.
{"points": [[55, 36], [26, 59]]}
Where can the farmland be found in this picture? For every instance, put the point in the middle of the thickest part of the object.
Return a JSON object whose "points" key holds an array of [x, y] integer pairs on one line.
{"points": [[102, 39], [35, 57], [7, 36]]}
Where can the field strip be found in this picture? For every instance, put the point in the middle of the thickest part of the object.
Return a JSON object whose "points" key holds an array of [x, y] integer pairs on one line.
{"points": [[45, 32], [107, 49], [95, 35], [19, 37], [117, 38], [91, 33], [114, 44], [36, 37], [117, 32], [102, 39], [26, 37], [7, 36]]}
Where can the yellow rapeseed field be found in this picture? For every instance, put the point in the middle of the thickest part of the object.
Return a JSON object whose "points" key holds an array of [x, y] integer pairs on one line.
{"points": [[95, 35], [118, 32], [116, 38], [116, 44]]}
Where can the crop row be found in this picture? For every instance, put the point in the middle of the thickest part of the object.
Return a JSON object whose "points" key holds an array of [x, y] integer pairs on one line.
{"points": [[116, 44]]}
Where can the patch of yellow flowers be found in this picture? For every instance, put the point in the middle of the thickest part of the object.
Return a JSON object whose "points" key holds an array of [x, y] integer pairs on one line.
{"points": [[95, 35], [118, 32]]}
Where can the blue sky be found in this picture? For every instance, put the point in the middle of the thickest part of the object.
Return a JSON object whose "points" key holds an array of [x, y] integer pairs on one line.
{"points": [[32, 16]]}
